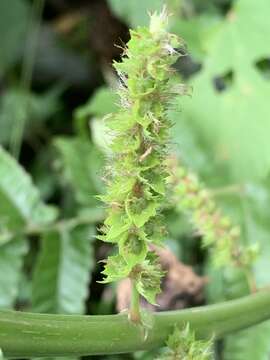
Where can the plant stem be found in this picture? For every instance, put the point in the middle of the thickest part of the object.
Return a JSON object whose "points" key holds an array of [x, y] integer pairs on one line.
{"points": [[134, 313], [41, 335], [236, 189], [250, 279], [71, 223]]}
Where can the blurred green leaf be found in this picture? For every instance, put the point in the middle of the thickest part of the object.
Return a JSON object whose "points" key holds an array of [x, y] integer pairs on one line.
{"points": [[190, 148], [11, 261], [133, 12], [13, 24], [19, 107], [254, 343], [256, 211], [103, 102], [42, 172], [249, 344], [20, 202], [225, 284], [252, 209], [81, 164], [234, 122], [196, 32], [63, 271]]}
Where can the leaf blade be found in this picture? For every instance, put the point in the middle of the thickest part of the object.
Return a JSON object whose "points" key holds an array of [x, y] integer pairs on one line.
{"points": [[11, 261], [21, 204], [62, 272]]}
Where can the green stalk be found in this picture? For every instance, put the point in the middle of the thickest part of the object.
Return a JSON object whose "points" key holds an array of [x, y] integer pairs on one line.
{"points": [[32, 335], [134, 313]]}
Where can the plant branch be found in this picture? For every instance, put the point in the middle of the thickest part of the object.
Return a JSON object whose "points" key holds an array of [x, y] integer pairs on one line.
{"points": [[134, 313], [237, 189], [71, 223], [32, 335]]}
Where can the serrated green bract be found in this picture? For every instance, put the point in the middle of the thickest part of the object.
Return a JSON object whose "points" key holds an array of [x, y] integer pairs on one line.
{"points": [[137, 170], [132, 246], [115, 269], [121, 121], [183, 345], [140, 210], [147, 277], [156, 230], [115, 224]]}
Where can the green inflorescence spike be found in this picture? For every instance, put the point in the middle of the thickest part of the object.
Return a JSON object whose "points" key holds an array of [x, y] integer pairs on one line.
{"points": [[137, 170]]}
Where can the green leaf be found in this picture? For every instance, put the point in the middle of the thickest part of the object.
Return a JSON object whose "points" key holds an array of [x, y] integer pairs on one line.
{"points": [[196, 31], [134, 12], [22, 108], [252, 209], [249, 344], [11, 261], [20, 202], [225, 284], [257, 227], [103, 102], [101, 135], [254, 343], [236, 116], [63, 269], [80, 163]]}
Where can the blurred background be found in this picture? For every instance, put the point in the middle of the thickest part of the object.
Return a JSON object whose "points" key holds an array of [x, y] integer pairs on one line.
{"points": [[56, 86]]}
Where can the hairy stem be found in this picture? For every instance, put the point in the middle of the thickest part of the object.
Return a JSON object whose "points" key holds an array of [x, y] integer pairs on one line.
{"points": [[31, 335]]}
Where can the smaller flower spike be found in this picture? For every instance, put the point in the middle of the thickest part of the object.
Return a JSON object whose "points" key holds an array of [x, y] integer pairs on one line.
{"points": [[217, 231]]}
